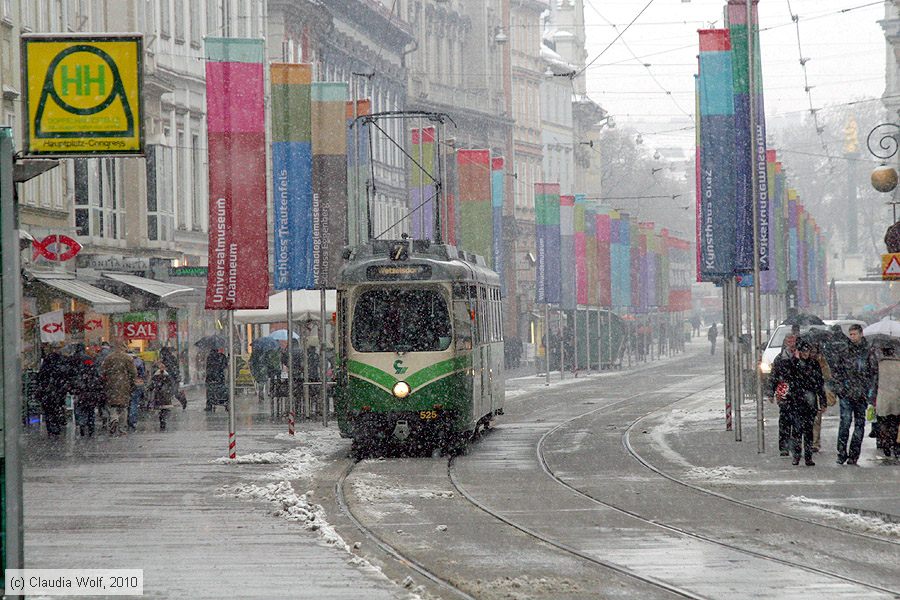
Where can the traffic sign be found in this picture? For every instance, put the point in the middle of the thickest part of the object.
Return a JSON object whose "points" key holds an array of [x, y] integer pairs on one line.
{"points": [[890, 266], [83, 94]]}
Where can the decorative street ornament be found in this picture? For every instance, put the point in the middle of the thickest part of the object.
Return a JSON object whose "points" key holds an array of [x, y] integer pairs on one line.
{"points": [[884, 178], [42, 248]]}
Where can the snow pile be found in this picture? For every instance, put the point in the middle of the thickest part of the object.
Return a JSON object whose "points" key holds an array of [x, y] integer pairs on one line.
{"points": [[290, 506], [256, 458], [866, 523], [299, 462], [721, 474]]}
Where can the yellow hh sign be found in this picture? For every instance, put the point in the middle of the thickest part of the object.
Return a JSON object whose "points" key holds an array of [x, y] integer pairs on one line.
{"points": [[890, 266], [83, 94]]}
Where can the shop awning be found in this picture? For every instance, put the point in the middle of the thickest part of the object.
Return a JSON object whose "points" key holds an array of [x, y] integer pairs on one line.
{"points": [[160, 289], [100, 300]]}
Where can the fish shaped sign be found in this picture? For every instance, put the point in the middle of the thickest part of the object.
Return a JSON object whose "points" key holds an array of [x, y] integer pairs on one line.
{"points": [[64, 248]]}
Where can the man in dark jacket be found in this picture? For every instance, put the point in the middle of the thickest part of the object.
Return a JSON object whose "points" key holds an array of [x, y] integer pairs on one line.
{"points": [[854, 382], [711, 334], [779, 376], [803, 394]]}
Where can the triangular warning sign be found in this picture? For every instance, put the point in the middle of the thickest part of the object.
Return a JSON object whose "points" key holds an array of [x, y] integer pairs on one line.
{"points": [[893, 267]]}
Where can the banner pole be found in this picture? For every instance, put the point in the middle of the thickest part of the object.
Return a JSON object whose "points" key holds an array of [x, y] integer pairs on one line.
{"points": [[546, 344], [231, 433], [757, 325], [322, 379], [292, 414]]}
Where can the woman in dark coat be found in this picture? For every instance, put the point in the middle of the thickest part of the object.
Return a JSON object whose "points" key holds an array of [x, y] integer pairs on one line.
{"points": [[216, 379], [802, 388], [54, 381]]}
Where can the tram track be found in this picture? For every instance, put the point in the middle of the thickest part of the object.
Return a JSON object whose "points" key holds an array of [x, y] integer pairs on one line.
{"points": [[626, 443], [692, 534]]}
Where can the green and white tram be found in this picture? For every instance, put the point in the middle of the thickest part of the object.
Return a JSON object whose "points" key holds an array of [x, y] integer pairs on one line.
{"points": [[420, 346]]}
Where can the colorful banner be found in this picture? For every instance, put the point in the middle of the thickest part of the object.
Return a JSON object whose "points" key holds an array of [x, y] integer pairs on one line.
{"points": [[604, 263], [498, 180], [422, 189], [781, 229], [238, 275], [567, 251], [329, 156], [292, 175], [792, 238], [450, 216], [768, 279], [591, 257], [581, 266], [357, 172], [475, 216], [547, 243], [747, 190], [716, 211], [680, 274]]}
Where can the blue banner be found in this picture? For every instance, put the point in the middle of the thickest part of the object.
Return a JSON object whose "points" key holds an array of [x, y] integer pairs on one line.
{"points": [[292, 181]]}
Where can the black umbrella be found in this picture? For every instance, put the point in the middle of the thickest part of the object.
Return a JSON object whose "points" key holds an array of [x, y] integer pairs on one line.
{"points": [[803, 319], [881, 341], [211, 342], [818, 337]]}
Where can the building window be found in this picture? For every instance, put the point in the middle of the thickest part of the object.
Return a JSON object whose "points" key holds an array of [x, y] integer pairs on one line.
{"points": [[180, 182], [243, 19], [179, 21], [197, 205], [196, 34], [212, 12], [97, 195], [165, 18], [160, 219]]}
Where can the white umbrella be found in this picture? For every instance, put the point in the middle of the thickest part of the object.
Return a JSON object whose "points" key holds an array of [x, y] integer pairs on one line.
{"points": [[281, 335], [886, 326]]}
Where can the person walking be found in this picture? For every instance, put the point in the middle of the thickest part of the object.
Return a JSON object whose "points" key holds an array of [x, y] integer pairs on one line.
{"points": [[778, 386], [817, 355], [803, 395], [695, 326], [216, 379], [887, 400], [162, 388], [137, 394], [856, 376], [53, 381], [90, 392], [711, 334], [120, 376]]}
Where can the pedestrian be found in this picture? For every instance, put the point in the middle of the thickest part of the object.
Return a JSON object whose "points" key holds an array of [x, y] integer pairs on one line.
{"points": [[90, 392], [53, 382], [830, 399], [711, 334], [695, 326], [105, 350], [137, 394], [120, 375], [162, 392], [216, 379], [803, 393], [855, 381], [887, 401], [259, 369], [777, 386]]}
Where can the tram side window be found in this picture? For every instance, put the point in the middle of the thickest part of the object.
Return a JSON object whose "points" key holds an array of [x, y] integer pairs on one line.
{"points": [[401, 320]]}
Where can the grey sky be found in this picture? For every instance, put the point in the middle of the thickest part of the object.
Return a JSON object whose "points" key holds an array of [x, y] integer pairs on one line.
{"points": [[846, 52]]}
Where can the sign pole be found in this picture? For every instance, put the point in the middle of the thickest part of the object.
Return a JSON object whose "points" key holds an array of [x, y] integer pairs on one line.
{"points": [[231, 433], [290, 337], [13, 554], [546, 344]]}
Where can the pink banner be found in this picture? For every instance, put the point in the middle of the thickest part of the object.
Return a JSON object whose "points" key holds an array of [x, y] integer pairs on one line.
{"points": [[238, 275]]}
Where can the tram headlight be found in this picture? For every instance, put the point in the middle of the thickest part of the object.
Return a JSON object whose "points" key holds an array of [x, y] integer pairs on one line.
{"points": [[401, 389]]}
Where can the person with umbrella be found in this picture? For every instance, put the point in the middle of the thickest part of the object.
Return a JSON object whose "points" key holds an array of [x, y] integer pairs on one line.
{"points": [[260, 363], [216, 379], [800, 387]]}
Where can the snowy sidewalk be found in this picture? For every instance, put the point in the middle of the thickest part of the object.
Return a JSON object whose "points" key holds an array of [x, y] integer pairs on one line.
{"points": [[198, 528], [689, 441]]}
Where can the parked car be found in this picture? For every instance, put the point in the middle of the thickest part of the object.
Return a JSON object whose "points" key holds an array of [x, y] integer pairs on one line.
{"points": [[845, 324]]}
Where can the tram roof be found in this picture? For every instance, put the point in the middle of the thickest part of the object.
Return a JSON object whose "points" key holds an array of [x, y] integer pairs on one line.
{"points": [[448, 263]]}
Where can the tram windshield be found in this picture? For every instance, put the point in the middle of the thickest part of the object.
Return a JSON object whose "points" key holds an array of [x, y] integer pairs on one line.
{"points": [[401, 320]]}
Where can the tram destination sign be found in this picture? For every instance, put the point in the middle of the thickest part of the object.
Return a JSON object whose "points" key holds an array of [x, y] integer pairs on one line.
{"points": [[398, 272], [83, 94]]}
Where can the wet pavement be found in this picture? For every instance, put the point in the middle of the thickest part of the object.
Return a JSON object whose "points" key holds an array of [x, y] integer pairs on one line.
{"points": [[160, 501]]}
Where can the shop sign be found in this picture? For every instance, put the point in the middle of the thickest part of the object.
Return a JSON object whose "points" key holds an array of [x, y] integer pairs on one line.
{"points": [[83, 94], [188, 271], [141, 325], [58, 242], [114, 263]]}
